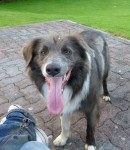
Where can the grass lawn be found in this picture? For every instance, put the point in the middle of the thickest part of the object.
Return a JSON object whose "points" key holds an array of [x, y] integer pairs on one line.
{"points": [[109, 15]]}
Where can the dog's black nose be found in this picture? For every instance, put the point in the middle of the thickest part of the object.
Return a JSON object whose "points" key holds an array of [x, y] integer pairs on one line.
{"points": [[53, 69]]}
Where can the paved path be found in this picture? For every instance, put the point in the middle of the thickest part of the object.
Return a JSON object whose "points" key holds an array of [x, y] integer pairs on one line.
{"points": [[113, 131]]}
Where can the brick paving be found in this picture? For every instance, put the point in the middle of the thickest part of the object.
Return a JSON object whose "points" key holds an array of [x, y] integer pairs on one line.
{"points": [[113, 130]]}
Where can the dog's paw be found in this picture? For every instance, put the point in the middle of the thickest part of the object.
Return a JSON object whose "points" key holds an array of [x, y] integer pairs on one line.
{"points": [[107, 98], [60, 141], [90, 147]]}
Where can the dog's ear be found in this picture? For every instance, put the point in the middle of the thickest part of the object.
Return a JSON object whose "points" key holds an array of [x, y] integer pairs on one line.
{"points": [[27, 53], [29, 50], [86, 47]]}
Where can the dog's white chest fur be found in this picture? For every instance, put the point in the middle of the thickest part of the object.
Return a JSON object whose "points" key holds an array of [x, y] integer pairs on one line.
{"points": [[70, 105]]}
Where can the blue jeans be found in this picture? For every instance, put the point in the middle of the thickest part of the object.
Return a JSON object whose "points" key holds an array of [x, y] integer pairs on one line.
{"points": [[17, 132]]}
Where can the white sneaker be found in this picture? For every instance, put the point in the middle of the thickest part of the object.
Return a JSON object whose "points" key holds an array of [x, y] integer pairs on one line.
{"points": [[15, 106], [41, 136], [11, 107], [3, 120]]}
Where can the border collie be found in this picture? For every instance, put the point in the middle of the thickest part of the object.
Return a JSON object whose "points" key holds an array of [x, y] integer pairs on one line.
{"points": [[69, 72]]}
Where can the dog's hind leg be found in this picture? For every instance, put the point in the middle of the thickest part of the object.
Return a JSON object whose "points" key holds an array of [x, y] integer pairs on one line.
{"points": [[65, 127], [106, 95]]}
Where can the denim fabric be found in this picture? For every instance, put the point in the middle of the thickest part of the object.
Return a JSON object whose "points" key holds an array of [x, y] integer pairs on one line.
{"points": [[34, 145], [18, 129]]}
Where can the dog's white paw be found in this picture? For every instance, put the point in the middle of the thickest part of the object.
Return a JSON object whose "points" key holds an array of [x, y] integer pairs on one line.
{"points": [[60, 140], [106, 98], [90, 147]]}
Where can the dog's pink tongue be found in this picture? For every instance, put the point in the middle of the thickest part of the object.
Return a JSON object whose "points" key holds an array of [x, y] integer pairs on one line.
{"points": [[55, 102]]}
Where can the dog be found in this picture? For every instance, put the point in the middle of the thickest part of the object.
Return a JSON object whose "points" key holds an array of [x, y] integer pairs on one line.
{"points": [[70, 72]]}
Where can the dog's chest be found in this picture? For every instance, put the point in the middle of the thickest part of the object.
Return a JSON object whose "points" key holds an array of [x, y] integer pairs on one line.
{"points": [[70, 105]]}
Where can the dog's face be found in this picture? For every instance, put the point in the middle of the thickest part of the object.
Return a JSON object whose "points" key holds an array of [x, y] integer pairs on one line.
{"points": [[59, 59]]}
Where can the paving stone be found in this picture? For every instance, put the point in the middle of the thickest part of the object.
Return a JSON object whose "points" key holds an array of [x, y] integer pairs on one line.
{"points": [[121, 70], [36, 107], [32, 94], [12, 71], [123, 119], [108, 146], [112, 86], [54, 126], [100, 138], [3, 99], [116, 134], [127, 75], [21, 101], [13, 62], [114, 78], [14, 79], [80, 128], [3, 75], [41, 124], [4, 108], [76, 117], [127, 96], [123, 104], [127, 131], [4, 60], [74, 143], [11, 92], [2, 55], [120, 92], [24, 83], [108, 112], [46, 116], [29, 89]]}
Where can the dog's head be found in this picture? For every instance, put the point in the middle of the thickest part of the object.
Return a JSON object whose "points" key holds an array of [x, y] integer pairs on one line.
{"points": [[61, 62]]}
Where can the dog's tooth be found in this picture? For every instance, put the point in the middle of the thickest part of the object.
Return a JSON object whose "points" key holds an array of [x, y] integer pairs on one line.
{"points": [[64, 77]]}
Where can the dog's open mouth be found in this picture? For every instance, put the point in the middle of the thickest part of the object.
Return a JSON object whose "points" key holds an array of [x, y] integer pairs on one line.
{"points": [[56, 85]]}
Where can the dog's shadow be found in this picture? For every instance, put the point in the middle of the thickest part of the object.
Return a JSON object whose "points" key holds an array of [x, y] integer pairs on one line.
{"points": [[73, 143]]}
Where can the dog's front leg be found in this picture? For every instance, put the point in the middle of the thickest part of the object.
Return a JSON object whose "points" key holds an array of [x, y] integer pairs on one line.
{"points": [[65, 130], [92, 118]]}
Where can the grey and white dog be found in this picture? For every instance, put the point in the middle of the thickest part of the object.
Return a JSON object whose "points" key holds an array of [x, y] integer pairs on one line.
{"points": [[69, 72]]}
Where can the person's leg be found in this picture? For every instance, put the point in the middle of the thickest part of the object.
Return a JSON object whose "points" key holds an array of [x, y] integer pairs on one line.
{"points": [[34, 145], [17, 128]]}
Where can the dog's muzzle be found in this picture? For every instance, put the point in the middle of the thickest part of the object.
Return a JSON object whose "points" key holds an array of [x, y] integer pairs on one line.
{"points": [[56, 85]]}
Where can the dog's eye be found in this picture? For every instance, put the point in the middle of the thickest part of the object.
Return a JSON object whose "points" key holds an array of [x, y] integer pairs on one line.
{"points": [[44, 50], [66, 51]]}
